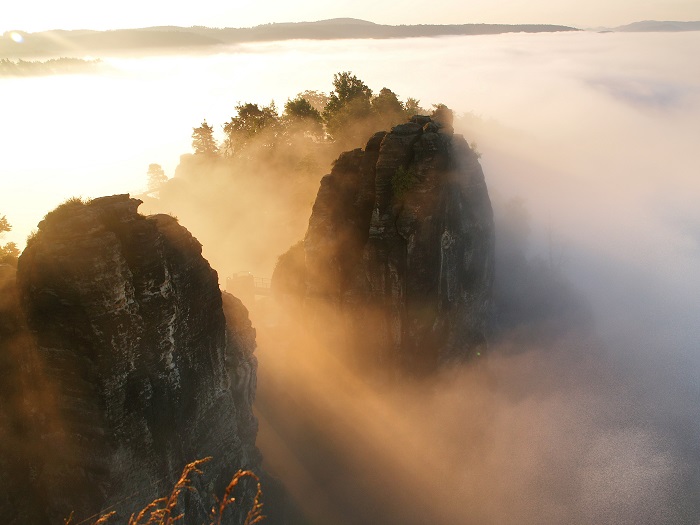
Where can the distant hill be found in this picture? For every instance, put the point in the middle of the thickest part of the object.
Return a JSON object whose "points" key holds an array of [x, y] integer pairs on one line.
{"points": [[170, 38], [658, 26], [53, 66]]}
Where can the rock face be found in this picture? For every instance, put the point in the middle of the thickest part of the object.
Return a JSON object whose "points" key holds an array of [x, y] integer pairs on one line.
{"points": [[150, 369], [399, 251]]}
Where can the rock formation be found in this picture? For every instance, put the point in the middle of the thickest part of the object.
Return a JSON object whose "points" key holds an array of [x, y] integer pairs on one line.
{"points": [[399, 252], [149, 369]]}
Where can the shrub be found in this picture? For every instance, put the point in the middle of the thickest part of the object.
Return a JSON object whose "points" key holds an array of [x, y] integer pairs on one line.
{"points": [[66, 207]]}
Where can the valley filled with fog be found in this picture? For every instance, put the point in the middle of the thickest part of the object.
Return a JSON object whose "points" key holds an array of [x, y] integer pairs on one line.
{"points": [[589, 145]]}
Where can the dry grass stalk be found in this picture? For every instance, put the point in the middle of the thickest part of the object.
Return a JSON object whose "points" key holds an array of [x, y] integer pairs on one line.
{"points": [[105, 518], [254, 514], [162, 510]]}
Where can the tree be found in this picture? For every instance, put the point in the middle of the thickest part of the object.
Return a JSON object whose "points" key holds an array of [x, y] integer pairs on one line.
{"points": [[349, 108], [412, 107], [347, 87], [251, 122], [156, 177], [388, 109], [301, 109], [8, 252], [301, 117], [317, 99], [203, 141], [443, 114]]}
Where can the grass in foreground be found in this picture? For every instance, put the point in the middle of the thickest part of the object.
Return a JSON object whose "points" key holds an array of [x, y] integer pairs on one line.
{"points": [[165, 510]]}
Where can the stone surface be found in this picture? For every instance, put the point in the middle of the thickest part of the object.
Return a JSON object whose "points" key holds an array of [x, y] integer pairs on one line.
{"points": [[150, 369], [400, 248]]}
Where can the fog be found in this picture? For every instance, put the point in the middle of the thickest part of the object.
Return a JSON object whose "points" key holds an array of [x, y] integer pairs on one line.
{"points": [[588, 419]]}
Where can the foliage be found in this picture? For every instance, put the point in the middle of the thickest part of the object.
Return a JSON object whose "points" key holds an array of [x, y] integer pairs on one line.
{"points": [[347, 88], [156, 177], [342, 119], [203, 141], [317, 99], [388, 109], [349, 107], [443, 114], [300, 116], [413, 107], [53, 66], [250, 122], [301, 109], [168, 510], [8, 251], [403, 180], [66, 207], [275, 156], [32, 236]]}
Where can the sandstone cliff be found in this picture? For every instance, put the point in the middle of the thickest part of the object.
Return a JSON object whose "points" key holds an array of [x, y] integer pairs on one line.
{"points": [[399, 252], [132, 334]]}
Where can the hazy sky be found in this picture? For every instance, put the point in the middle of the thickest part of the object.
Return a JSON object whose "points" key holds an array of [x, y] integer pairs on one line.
{"points": [[37, 15]]}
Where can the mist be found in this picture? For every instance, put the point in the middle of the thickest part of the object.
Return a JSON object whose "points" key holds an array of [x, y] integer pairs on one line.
{"points": [[585, 411], [588, 412]]}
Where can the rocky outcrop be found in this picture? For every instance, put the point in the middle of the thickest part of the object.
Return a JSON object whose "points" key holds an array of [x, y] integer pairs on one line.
{"points": [[399, 252], [150, 369]]}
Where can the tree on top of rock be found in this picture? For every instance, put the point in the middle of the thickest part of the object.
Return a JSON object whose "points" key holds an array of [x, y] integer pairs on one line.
{"points": [[349, 108], [443, 115], [203, 141], [388, 109], [413, 107]]}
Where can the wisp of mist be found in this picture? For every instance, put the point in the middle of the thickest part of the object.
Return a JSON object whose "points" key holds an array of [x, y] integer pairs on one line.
{"points": [[595, 135]]}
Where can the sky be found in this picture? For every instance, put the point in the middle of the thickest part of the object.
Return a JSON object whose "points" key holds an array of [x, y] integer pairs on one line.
{"points": [[596, 133], [33, 15]]}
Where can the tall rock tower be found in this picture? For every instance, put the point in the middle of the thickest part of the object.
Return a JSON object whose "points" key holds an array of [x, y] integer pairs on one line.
{"points": [[398, 258]]}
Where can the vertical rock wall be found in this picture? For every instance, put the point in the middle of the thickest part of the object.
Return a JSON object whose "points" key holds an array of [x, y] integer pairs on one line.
{"points": [[400, 248], [131, 331]]}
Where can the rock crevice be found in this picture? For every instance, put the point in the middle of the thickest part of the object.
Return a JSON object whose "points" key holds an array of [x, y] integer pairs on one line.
{"points": [[399, 251], [151, 369]]}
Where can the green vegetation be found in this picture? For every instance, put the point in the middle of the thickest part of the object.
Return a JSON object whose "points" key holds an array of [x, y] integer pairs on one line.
{"points": [[340, 120], [255, 175], [252, 123], [8, 251], [156, 177], [54, 66], [403, 180], [203, 141], [66, 207]]}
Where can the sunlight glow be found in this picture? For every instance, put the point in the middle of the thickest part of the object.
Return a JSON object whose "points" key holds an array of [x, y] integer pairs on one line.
{"points": [[81, 14]]}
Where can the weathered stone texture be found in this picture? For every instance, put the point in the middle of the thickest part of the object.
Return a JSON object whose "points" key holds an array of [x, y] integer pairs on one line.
{"points": [[130, 328], [400, 248]]}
